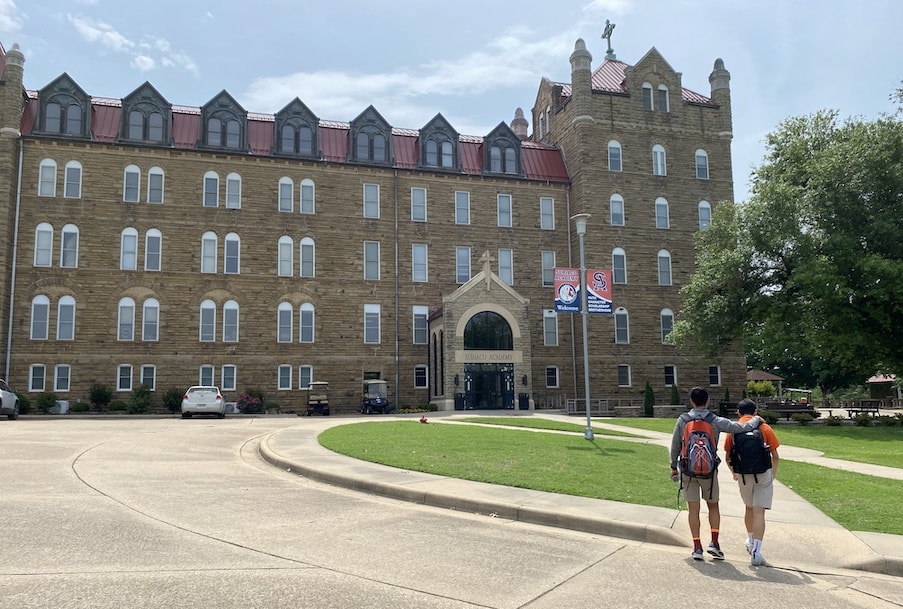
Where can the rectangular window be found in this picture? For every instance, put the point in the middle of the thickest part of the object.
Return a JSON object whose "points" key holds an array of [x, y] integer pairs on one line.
{"points": [[462, 264], [622, 328], [305, 376], [462, 207], [61, 376], [233, 192], [421, 377], [664, 270], [153, 252], [548, 268], [551, 376], [286, 194], [421, 325], [506, 266], [205, 376], [547, 213], [670, 376], [36, 374], [623, 375], [418, 204], [284, 325], [371, 324], [714, 376], [550, 328], [149, 377], [419, 262], [285, 378], [124, 377], [371, 260], [504, 210], [371, 200], [227, 375]]}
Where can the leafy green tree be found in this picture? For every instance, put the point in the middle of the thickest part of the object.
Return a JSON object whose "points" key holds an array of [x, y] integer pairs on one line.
{"points": [[100, 396], [808, 275], [141, 399], [648, 400]]}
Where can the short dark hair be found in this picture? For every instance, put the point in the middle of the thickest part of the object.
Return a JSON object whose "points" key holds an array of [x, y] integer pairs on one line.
{"points": [[747, 406], [699, 396]]}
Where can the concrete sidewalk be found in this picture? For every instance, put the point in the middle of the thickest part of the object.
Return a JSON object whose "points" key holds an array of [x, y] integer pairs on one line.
{"points": [[798, 536]]}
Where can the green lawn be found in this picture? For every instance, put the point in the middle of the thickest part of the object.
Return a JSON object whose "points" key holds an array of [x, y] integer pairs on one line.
{"points": [[611, 468], [547, 424]]}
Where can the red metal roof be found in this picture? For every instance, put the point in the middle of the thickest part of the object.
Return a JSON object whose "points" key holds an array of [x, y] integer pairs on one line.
{"points": [[105, 122]]}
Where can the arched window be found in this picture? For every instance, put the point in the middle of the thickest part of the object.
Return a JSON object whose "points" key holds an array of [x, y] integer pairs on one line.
{"points": [[208, 252], [136, 125], [488, 330], [128, 249], [616, 203], [284, 315], [663, 101], [618, 266], [662, 214], [306, 327], [308, 258], [664, 268], [647, 96], [233, 191], [43, 244], [232, 254], [214, 132], [126, 325], [286, 249], [69, 247], [702, 165], [667, 324], [150, 320], [211, 189], [131, 184], [72, 183], [622, 326], [307, 196], [207, 325], [153, 250], [286, 194], [65, 318], [230, 322], [659, 165], [614, 156], [705, 215], [40, 317], [155, 185], [47, 178]]}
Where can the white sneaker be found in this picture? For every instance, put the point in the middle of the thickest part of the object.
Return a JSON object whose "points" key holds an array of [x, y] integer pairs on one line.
{"points": [[757, 560], [749, 548]]}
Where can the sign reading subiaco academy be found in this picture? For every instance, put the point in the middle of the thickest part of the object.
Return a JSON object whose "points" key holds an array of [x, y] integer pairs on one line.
{"points": [[567, 290]]}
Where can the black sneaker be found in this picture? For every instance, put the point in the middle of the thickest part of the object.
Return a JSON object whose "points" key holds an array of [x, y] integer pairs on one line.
{"points": [[715, 551]]}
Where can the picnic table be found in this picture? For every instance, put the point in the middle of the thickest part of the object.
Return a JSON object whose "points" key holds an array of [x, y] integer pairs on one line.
{"points": [[854, 407], [788, 408]]}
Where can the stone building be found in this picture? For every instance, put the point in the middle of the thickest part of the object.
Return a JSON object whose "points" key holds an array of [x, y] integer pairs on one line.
{"points": [[166, 245]]}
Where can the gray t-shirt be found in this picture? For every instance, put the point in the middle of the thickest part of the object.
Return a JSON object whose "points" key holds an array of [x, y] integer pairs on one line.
{"points": [[719, 424]]}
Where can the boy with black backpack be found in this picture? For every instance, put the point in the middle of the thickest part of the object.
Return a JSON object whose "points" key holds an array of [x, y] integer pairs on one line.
{"points": [[694, 461], [753, 459]]}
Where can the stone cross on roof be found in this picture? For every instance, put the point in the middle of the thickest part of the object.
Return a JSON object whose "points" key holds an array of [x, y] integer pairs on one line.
{"points": [[486, 258], [606, 35]]}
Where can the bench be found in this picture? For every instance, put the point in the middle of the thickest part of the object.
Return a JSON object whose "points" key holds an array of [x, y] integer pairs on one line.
{"points": [[863, 407], [789, 408]]}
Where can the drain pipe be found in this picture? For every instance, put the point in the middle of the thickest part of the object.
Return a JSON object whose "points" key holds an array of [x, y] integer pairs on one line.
{"points": [[573, 328], [395, 194], [12, 278]]}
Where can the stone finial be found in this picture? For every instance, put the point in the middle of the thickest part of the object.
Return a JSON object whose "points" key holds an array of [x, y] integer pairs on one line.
{"points": [[581, 59], [519, 125], [720, 78], [15, 57]]}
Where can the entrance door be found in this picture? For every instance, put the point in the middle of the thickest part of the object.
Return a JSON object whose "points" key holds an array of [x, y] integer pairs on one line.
{"points": [[489, 386]]}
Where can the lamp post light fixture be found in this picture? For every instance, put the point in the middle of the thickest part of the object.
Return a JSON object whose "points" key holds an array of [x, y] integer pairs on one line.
{"points": [[580, 224]]}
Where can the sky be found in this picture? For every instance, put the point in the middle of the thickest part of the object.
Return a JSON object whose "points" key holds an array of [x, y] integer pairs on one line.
{"points": [[474, 61]]}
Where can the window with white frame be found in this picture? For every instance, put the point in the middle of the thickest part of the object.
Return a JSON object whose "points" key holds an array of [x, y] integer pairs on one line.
{"points": [[418, 204], [421, 324], [284, 382], [153, 250], [228, 377], [421, 376], [43, 245], [506, 265], [47, 178], [128, 249], [670, 375], [150, 320], [647, 96], [285, 252], [286, 195], [126, 322], [702, 165], [419, 262], [371, 324], [371, 200], [40, 317], [664, 268], [715, 376], [65, 318], [36, 376], [284, 316], [155, 185], [504, 210], [614, 156], [207, 325], [664, 104], [69, 247], [623, 375], [548, 268], [308, 258], [232, 254], [551, 377], [124, 377], [72, 188], [306, 325], [659, 165], [705, 215], [149, 376], [308, 203], [62, 374], [616, 205], [305, 376], [666, 318], [233, 191], [208, 252], [205, 376], [230, 322], [462, 264], [371, 260], [618, 266], [622, 326], [662, 215], [211, 189], [546, 213], [462, 207], [549, 328], [131, 184]]}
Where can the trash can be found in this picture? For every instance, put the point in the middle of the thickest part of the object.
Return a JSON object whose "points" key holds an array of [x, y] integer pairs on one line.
{"points": [[459, 401], [523, 401]]}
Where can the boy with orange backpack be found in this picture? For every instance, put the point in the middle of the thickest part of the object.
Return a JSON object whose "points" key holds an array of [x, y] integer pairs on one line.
{"points": [[694, 461]]}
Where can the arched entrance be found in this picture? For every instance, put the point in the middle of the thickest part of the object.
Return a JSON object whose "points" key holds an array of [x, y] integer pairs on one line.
{"points": [[488, 385]]}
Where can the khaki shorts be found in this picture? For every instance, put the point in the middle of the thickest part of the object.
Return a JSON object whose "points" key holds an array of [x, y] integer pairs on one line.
{"points": [[700, 489], [757, 490]]}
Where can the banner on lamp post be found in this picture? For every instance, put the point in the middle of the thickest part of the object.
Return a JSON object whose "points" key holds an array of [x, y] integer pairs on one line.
{"points": [[567, 290]]}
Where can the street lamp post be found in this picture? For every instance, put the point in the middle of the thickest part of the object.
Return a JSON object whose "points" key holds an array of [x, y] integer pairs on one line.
{"points": [[580, 223]]}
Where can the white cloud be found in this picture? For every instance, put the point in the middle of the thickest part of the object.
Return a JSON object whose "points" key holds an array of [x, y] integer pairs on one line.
{"points": [[10, 19], [98, 31], [143, 63]]}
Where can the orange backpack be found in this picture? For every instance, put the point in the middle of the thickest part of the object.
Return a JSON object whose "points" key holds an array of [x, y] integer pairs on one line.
{"points": [[698, 454]]}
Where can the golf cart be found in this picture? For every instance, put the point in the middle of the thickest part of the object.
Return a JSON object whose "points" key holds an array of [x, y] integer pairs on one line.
{"points": [[374, 397], [318, 398]]}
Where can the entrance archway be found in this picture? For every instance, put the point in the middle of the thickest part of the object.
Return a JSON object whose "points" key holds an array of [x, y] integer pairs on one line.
{"points": [[488, 385]]}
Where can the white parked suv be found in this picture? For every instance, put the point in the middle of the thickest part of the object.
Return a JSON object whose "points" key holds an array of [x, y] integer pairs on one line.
{"points": [[203, 400], [9, 401]]}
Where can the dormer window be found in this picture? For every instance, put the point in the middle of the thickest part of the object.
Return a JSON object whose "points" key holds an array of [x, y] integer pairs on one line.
{"points": [[63, 108], [224, 123], [370, 146], [502, 159], [223, 133], [370, 138], [296, 130], [663, 105], [501, 151], [438, 144], [145, 116]]}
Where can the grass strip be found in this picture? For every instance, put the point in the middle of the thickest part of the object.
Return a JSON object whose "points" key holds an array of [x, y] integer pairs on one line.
{"points": [[545, 424]]}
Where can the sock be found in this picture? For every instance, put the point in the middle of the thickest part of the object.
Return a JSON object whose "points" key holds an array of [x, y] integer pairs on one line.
{"points": [[757, 545], [697, 545], [749, 537], [715, 537]]}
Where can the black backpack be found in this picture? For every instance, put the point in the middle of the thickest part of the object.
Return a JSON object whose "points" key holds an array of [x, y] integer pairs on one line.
{"points": [[749, 453]]}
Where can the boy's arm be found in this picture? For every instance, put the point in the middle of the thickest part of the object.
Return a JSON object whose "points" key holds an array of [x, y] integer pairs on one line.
{"points": [[723, 424], [675, 444]]}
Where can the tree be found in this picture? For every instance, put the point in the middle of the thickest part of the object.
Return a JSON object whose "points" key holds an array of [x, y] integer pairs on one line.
{"points": [[648, 401], [809, 272]]}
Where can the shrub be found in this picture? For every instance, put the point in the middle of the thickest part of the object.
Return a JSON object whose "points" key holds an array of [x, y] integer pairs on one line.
{"points": [[118, 406], [24, 403], [675, 395], [770, 417], [834, 421], [251, 403], [432, 407], [141, 399], [273, 406], [886, 421], [803, 418], [863, 419], [172, 399], [77, 407], [100, 396], [648, 401], [899, 415], [46, 401]]}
